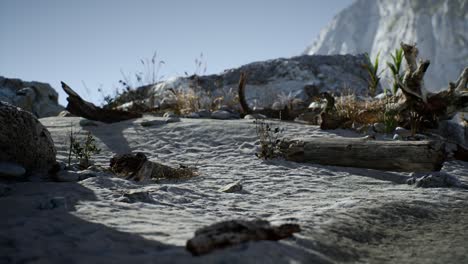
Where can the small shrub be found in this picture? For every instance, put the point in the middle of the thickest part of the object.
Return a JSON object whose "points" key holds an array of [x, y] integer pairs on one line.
{"points": [[395, 67], [270, 141], [373, 73], [82, 150]]}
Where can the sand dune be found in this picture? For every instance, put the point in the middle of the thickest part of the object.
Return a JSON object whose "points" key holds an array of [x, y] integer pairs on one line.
{"points": [[346, 214]]}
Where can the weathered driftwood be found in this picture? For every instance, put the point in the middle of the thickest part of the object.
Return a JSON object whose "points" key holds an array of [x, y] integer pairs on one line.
{"points": [[413, 156], [429, 107], [230, 233], [135, 166], [79, 107]]}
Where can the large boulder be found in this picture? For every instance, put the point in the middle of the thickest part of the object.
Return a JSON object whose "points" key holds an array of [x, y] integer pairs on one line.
{"points": [[36, 97], [271, 81], [24, 140]]}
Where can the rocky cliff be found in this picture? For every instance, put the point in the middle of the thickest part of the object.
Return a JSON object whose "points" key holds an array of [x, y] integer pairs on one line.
{"points": [[439, 27]]}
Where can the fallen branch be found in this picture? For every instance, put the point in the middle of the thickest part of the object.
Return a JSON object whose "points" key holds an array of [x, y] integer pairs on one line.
{"points": [[79, 107]]}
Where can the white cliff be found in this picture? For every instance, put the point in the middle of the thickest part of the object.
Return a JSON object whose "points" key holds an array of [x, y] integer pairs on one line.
{"points": [[438, 27]]}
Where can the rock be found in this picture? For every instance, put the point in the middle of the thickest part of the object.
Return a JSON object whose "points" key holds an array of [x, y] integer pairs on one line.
{"points": [[24, 140], [35, 97], [73, 176], [65, 113], [220, 114], [230, 233], [4, 190], [172, 119], [203, 113], [136, 196], [235, 187], [453, 131], [435, 180], [277, 76], [355, 31], [402, 132], [87, 122], [255, 116], [192, 115], [379, 127], [11, 170], [152, 123]]}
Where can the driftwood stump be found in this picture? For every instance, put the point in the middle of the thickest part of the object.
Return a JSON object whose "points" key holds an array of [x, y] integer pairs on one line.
{"points": [[230, 233], [79, 107], [411, 156]]}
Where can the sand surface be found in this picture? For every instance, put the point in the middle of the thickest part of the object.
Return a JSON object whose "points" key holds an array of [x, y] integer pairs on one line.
{"points": [[346, 214]]}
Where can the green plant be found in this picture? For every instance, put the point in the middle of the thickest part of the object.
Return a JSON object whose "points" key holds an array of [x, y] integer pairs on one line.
{"points": [[373, 73], [270, 141], [84, 150], [395, 67]]}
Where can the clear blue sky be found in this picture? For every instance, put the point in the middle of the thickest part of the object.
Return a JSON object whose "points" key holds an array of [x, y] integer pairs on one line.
{"points": [[92, 41]]}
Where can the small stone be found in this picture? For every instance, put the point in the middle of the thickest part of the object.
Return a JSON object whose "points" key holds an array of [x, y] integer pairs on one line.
{"points": [[255, 116], [220, 114], [203, 113], [11, 170], [65, 113], [192, 115], [87, 122], [402, 132], [379, 127], [235, 187], [151, 123]]}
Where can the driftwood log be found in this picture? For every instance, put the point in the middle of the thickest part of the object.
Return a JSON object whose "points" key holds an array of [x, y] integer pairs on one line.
{"points": [[79, 107], [230, 233], [411, 156], [137, 167], [430, 108]]}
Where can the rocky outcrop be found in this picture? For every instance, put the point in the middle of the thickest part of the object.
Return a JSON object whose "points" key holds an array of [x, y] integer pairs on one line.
{"points": [[277, 80], [438, 27], [24, 140], [36, 97]]}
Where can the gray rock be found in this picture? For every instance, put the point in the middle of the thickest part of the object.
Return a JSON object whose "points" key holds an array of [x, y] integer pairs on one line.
{"points": [[204, 113], [65, 113], [234, 187], [255, 116], [152, 123], [136, 196], [24, 140], [402, 132], [379, 127], [435, 180], [193, 115], [35, 97], [220, 114], [74, 176], [434, 25], [11, 170]]}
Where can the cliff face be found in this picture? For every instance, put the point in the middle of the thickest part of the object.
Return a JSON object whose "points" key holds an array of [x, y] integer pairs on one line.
{"points": [[438, 27]]}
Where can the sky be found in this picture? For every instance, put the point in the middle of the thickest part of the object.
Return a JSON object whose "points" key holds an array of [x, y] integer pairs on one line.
{"points": [[91, 44]]}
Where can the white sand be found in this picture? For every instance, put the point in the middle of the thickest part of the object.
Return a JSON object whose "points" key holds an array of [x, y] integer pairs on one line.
{"points": [[346, 214]]}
